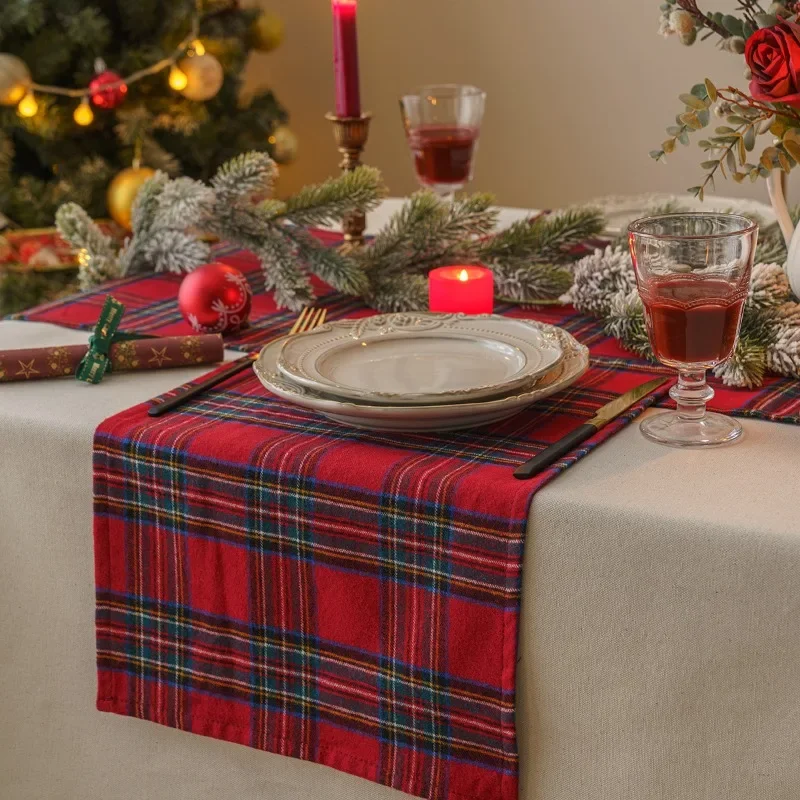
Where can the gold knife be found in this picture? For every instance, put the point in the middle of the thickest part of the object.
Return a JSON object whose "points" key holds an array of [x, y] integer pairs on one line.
{"points": [[577, 437]]}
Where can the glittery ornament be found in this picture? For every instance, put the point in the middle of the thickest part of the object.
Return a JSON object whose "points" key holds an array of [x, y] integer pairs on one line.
{"points": [[215, 298], [103, 96]]}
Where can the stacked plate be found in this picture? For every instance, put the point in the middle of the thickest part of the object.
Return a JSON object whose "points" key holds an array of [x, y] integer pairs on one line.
{"points": [[422, 372]]}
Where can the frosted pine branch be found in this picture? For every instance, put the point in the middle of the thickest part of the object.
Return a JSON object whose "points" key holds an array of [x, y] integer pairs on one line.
{"points": [[399, 293], [598, 277], [182, 203], [532, 283], [174, 251], [244, 176], [97, 257], [335, 268], [326, 203]]}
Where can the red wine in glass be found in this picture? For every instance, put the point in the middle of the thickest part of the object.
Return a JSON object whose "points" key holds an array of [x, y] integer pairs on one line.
{"points": [[443, 155], [692, 320]]}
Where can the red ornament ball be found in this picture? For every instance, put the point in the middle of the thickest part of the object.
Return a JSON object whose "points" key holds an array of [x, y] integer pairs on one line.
{"points": [[107, 97], [215, 298]]}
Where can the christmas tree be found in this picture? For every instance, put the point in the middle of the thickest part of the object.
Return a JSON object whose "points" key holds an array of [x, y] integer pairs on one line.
{"points": [[90, 89]]}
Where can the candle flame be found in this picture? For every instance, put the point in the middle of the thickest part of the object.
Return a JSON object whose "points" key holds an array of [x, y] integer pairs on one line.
{"points": [[463, 275]]}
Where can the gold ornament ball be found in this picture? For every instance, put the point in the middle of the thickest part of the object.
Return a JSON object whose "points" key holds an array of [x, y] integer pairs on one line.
{"points": [[204, 76], [284, 144], [122, 192], [266, 32], [14, 79]]}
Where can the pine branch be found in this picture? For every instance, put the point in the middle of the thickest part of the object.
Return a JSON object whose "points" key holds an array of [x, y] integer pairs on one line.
{"points": [[292, 286], [549, 237], [336, 269], [324, 204], [398, 294], [82, 232], [532, 283], [174, 251], [428, 230], [625, 322], [96, 255], [182, 203], [243, 176]]}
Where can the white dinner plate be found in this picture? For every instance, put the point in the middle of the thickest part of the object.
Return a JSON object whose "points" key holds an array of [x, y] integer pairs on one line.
{"points": [[420, 358], [621, 210], [418, 418]]}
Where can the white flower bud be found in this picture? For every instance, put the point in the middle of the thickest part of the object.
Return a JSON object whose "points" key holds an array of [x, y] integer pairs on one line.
{"points": [[681, 21]]}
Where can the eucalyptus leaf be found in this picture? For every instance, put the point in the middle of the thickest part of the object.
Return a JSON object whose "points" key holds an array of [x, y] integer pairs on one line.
{"points": [[699, 90], [766, 20], [691, 101], [783, 161], [738, 177], [733, 25], [711, 90], [735, 119], [731, 159], [684, 139], [747, 29], [724, 129], [754, 175], [704, 117], [766, 161], [691, 121], [742, 151], [668, 145], [710, 164], [749, 138], [657, 155], [792, 147], [674, 130]]}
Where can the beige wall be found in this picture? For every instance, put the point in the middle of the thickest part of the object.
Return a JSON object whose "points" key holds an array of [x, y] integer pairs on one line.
{"points": [[576, 100]]}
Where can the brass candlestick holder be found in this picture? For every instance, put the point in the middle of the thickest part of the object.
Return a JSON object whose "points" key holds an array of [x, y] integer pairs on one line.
{"points": [[351, 135]]}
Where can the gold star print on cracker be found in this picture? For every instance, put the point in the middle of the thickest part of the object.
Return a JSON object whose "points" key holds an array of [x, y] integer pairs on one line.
{"points": [[26, 368], [159, 356]]}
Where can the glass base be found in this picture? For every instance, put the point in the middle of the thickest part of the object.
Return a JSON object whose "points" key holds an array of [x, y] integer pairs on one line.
{"points": [[672, 429]]}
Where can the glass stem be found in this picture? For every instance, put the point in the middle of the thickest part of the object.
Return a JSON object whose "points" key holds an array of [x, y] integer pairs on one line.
{"points": [[691, 393]]}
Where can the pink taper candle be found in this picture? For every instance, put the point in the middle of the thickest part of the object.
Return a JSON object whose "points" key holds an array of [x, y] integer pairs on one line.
{"points": [[345, 58]]}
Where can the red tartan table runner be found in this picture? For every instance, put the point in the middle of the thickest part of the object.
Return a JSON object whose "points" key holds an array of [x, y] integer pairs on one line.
{"points": [[268, 577]]}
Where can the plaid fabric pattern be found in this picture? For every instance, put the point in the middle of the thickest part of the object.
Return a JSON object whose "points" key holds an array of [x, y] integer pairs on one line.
{"points": [[268, 577]]}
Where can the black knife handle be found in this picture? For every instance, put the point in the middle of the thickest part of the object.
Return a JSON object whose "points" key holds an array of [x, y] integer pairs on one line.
{"points": [[240, 365], [555, 452]]}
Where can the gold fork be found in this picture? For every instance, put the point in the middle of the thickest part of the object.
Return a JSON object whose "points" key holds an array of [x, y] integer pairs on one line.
{"points": [[309, 319]]}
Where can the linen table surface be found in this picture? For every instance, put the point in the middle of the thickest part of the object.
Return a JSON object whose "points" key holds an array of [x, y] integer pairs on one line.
{"points": [[580, 736]]}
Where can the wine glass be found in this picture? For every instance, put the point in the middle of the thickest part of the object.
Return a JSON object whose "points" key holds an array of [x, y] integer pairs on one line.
{"points": [[442, 125], [693, 275]]}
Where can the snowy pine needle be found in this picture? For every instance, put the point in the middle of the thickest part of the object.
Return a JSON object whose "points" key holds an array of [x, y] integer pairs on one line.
{"points": [[243, 176], [326, 203]]}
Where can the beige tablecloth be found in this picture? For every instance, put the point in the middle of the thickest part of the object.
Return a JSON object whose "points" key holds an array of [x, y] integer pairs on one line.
{"points": [[660, 652]]}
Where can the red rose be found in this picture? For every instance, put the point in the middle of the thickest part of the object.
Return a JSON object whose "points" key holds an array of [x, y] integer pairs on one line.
{"points": [[773, 55]]}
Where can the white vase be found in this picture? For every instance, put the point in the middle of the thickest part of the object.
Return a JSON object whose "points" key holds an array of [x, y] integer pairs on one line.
{"points": [[776, 185]]}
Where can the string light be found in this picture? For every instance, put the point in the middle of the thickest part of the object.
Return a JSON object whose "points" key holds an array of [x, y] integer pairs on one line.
{"points": [[28, 106], [83, 114], [190, 41], [178, 79]]}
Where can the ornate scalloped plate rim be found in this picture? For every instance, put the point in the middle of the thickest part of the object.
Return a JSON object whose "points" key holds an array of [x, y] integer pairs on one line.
{"points": [[454, 416], [301, 356]]}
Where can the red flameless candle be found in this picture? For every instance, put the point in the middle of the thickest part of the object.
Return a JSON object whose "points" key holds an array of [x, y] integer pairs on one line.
{"points": [[345, 58], [469, 290]]}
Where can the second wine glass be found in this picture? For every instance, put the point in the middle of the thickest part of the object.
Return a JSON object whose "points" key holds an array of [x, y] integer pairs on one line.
{"points": [[443, 124]]}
